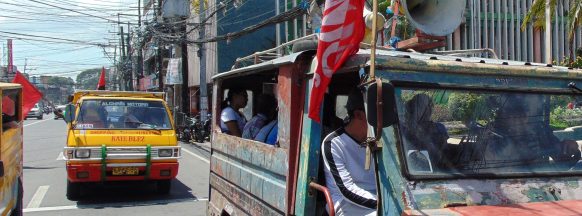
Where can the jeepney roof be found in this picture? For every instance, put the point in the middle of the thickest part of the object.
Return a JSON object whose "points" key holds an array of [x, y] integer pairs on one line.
{"points": [[267, 65], [409, 61], [9, 85], [413, 61], [100, 94]]}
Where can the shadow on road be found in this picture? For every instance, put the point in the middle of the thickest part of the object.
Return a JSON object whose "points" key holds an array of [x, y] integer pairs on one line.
{"points": [[124, 194], [38, 168]]}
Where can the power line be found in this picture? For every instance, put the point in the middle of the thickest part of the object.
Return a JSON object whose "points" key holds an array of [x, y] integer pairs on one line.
{"points": [[67, 9], [53, 38]]}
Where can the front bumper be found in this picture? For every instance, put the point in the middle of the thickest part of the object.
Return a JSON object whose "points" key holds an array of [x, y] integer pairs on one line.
{"points": [[92, 172]]}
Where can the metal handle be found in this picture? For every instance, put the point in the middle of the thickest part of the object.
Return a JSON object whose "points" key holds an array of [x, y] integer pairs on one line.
{"points": [[325, 192]]}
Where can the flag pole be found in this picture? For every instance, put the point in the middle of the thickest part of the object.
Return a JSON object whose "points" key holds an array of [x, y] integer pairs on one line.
{"points": [[374, 38]]}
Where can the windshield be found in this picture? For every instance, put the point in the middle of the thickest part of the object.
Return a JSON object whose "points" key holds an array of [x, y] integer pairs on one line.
{"points": [[457, 132], [122, 114]]}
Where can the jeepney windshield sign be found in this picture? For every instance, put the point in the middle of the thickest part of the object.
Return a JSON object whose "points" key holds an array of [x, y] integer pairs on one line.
{"points": [[461, 132], [122, 114]]}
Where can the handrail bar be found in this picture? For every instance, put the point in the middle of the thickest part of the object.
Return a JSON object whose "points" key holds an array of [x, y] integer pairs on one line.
{"points": [[327, 195]]}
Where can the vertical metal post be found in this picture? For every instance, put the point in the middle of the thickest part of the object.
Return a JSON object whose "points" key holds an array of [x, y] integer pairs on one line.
{"points": [[548, 35], [203, 91], [277, 27], [373, 43], [511, 31]]}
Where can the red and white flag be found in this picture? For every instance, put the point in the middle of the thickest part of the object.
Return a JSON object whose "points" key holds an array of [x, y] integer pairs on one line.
{"points": [[30, 94], [342, 30]]}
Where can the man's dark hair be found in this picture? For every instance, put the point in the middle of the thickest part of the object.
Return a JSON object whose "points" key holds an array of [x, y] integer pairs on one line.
{"points": [[355, 102], [266, 104]]}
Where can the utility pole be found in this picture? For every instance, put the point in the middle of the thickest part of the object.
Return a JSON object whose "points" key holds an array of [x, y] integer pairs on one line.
{"points": [[548, 33], [203, 91], [123, 57], [139, 47], [25, 63], [129, 58]]}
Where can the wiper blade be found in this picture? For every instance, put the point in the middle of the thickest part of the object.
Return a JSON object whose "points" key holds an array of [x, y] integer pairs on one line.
{"points": [[572, 85]]}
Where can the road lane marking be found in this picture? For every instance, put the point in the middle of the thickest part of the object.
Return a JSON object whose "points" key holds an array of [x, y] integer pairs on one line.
{"points": [[36, 122], [196, 155], [38, 196], [61, 157], [112, 205]]}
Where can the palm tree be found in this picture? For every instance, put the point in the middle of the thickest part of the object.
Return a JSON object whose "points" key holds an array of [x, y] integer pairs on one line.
{"points": [[537, 15]]}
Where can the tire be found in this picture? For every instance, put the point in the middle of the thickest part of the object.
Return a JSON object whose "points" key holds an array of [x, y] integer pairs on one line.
{"points": [[304, 45], [17, 211], [163, 187], [39, 117], [73, 190]]}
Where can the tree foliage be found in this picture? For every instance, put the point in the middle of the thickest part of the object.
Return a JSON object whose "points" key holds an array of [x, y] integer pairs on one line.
{"points": [[88, 79], [537, 15]]}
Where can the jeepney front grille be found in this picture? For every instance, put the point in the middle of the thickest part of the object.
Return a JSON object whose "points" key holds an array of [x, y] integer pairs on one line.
{"points": [[122, 153]]}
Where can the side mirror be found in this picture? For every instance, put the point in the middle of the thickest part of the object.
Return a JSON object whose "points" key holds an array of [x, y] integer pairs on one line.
{"points": [[1, 168], [69, 114], [381, 106]]}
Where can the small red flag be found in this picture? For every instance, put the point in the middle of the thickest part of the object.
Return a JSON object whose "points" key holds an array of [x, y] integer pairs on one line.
{"points": [[30, 94], [342, 30], [101, 84]]}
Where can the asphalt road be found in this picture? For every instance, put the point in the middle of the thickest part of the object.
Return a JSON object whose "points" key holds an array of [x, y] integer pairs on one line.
{"points": [[45, 181]]}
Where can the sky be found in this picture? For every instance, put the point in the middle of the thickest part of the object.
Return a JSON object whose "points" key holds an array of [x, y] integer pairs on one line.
{"points": [[62, 37]]}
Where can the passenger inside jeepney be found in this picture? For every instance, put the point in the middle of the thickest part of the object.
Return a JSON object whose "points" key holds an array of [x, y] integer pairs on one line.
{"points": [[521, 135], [428, 139], [266, 112], [232, 121]]}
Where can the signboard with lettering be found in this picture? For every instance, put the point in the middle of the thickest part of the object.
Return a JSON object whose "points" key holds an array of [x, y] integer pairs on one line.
{"points": [[174, 74]]}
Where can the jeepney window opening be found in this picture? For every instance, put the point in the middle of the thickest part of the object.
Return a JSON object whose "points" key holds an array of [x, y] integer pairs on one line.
{"points": [[110, 114], [454, 132], [11, 109], [335, 113], [255, 85]]}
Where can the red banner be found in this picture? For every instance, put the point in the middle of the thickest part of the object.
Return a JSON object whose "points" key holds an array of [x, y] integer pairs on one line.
{"points": [[101, 84], [30, 94], [342, 30]]}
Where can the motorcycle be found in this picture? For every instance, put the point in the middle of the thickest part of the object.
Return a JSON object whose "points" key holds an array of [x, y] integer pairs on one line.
{"points": [[184, 131], [201, 130]]}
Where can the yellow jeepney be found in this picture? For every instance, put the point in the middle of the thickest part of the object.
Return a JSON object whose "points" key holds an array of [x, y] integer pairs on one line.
{"points": [[11, 150], [119, 136]]}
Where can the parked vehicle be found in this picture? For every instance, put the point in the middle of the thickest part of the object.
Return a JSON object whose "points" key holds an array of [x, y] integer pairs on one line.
{"points": [[11, 174], [201, 129], [184, 131], [35, 112], [119, 136], [503, 147]]}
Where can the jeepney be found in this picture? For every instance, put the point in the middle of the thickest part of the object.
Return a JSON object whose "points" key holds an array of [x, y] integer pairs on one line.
{"points": [[505, 146], [11, 142], [119, 136]]}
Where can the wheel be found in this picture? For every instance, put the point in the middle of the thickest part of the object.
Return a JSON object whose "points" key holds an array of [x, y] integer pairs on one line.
{"points": [[39, 117], [73, 190], [17, 211], [164, 186]]}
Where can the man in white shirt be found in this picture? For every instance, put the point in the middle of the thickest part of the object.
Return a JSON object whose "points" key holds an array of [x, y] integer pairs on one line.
{"points": [[353, 188]]}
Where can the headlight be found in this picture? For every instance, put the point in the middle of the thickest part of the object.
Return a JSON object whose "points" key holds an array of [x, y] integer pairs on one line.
{"points": [[165, 152], [82, 153]]}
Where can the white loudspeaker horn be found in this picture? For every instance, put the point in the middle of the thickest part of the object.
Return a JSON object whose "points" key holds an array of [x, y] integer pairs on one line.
{"points": [[435, 17]]}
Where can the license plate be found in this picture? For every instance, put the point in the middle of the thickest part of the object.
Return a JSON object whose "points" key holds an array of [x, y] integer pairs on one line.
{"points": [[118, 171]]}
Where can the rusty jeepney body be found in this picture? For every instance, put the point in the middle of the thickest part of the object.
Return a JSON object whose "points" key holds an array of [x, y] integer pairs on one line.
{"points": [[505, 142]]}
